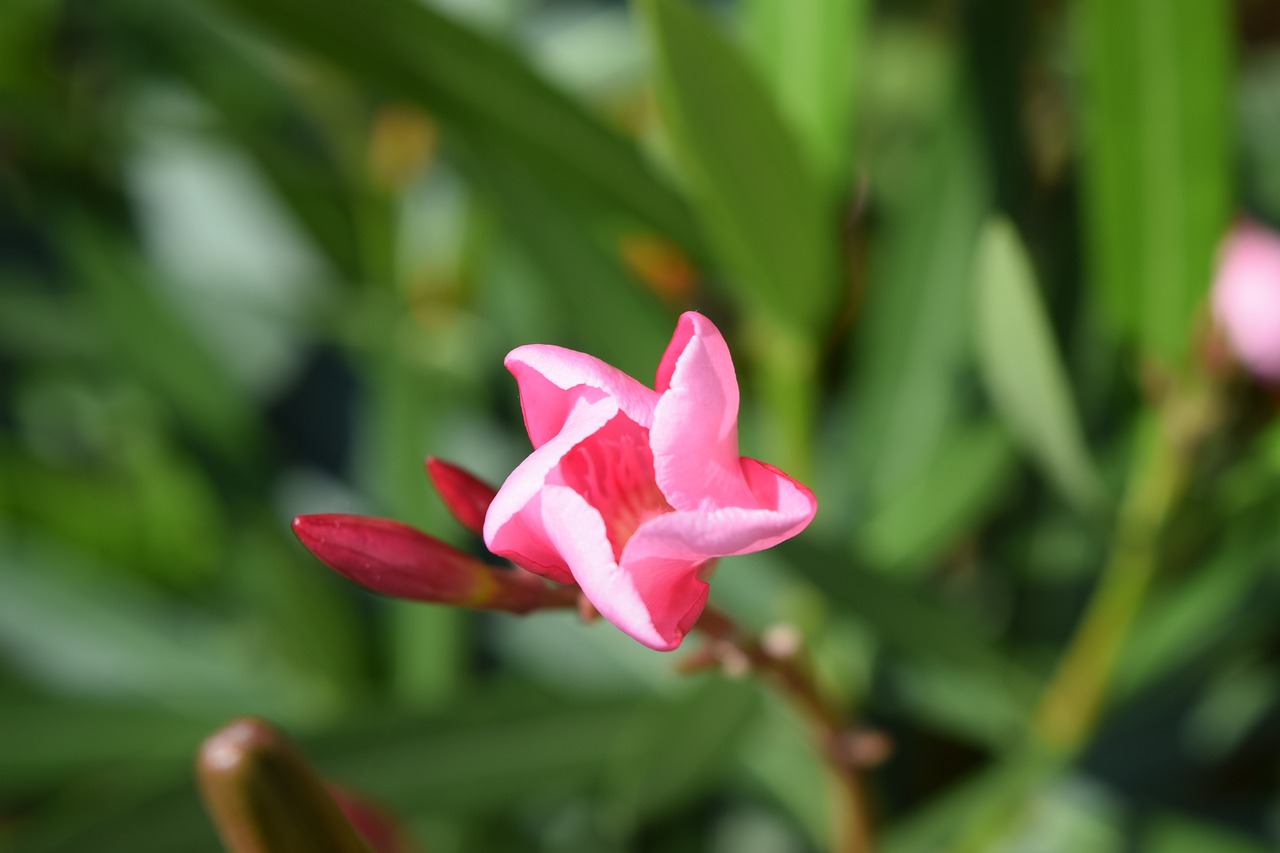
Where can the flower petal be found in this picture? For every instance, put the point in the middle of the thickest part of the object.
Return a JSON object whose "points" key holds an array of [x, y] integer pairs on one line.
{"points": [[782, 508], [1246, 297], [655, 601], [513, 526], [554, 380], [694, 436]]}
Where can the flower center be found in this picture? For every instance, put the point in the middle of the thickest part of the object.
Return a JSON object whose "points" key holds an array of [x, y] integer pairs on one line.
{"points": [[613, 471]]}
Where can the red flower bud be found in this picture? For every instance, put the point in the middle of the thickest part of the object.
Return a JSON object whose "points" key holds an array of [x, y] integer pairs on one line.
{"points": [[466, 496], [394, 559]]}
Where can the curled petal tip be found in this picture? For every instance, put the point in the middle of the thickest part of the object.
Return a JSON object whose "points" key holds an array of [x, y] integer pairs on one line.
{"points": [[466, 496]]}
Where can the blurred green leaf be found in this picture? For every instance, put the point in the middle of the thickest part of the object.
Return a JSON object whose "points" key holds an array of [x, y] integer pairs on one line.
{"points": [[481, 91], [978, 805], [585, 283], [145, 508], [506, 751], [943, 503], [913, 338], [684, 748], [148, 818], [1233, 705], [776, 754], [1021, 367], [48, 741], [1186, 621], [1174, 833], [505, 748], [1157, 162], [38, 324], [405, 406], [268, 121], [69, 628], [758, 199], [152, 342], [811, 53], [922, 629], [302, 611]]}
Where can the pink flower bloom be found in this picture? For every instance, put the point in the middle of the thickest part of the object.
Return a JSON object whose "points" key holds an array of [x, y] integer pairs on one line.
{"points": [[1246, 297], [633, 492]]}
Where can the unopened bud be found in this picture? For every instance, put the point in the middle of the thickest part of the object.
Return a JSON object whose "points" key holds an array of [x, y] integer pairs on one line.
{"points": [[263, 797], [465, 496], [394, 559]]}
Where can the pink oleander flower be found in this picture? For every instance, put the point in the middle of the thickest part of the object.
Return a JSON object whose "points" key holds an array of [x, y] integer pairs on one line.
{"points": [[1246, 297], [632, 492]]}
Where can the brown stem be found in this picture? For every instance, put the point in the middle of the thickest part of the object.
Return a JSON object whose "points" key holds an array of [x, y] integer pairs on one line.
{"points": [[850, 815]]}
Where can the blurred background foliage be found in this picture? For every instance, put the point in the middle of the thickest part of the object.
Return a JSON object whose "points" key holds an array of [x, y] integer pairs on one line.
{"points": [[260, 257]]}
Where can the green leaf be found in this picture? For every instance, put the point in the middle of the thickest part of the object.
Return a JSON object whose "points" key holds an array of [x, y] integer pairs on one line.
{"points": [[480, 90], [981, 803], [584, 282], [934, 509], [920, 628], [1174, 833], [777, 757], [149, 338], [1021, 368], [47, 741], [35, 323], [759, 201], [65, 626], [511, 748], [268, 121], [1224, 599], [913, 342], [810, 54], [1157, 170], [682, 749]]}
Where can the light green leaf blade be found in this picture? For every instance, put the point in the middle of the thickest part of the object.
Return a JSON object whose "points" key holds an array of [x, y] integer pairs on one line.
{"points": [[1021, 368], [1157, 165], [904, 399], [758, 200], [929, 513], [1175, 833], [810, 54]]}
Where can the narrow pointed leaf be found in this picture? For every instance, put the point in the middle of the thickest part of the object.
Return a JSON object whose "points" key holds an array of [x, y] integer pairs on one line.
{"points": [[1157, 174], [1021, 368], [810, 54], [911, 344], [933, 510], [758, 199]]}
